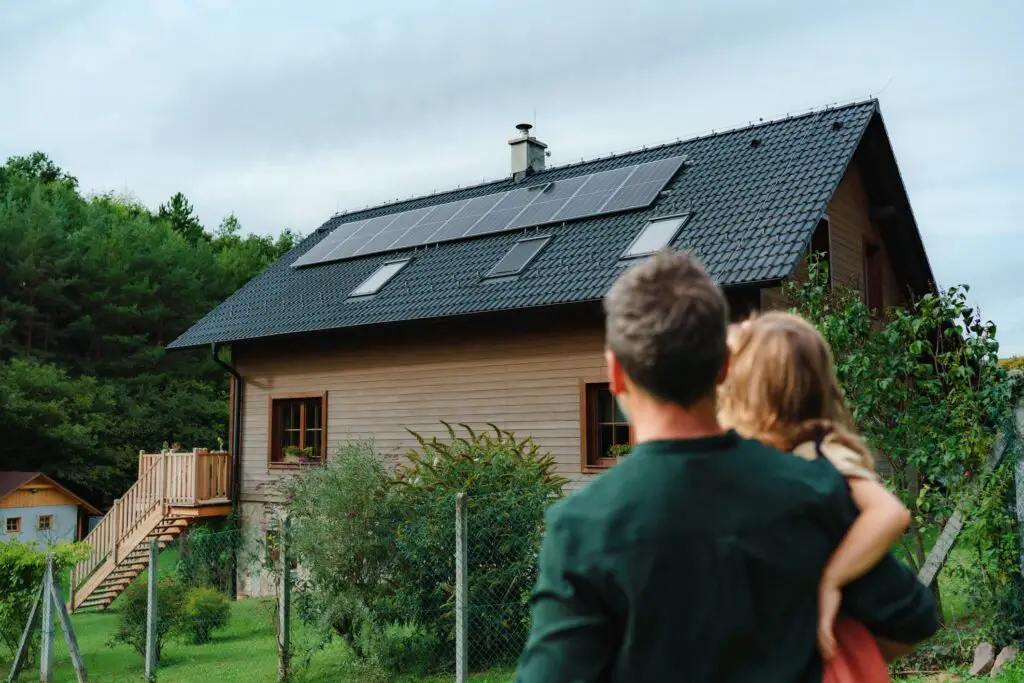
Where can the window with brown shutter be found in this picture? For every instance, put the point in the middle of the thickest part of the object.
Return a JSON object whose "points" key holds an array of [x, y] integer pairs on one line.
{"points": [[605, 432], [298, 433]]}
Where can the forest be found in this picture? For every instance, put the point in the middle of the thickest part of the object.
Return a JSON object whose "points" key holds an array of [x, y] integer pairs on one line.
{"points": [[92, 288]]}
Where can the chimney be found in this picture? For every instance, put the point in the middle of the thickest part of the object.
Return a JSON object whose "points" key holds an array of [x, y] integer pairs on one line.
{"points": [[527, 153]]}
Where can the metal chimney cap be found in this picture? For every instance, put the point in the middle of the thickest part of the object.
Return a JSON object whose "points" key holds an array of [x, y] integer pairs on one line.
{"points": [[524, 128]]}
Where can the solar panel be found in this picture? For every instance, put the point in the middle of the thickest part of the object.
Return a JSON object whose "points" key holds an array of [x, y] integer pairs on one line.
{"points": [[619, 189]]}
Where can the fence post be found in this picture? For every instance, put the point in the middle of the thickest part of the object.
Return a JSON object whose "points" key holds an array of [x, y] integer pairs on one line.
{"points": [[461, 591], [46, 656], [284, 603], [151, 605], [116, 512]]}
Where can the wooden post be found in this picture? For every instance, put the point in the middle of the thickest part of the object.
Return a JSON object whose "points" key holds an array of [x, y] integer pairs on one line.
{"points": [[69, 631], [284, 603], [152, 656], [461, 591], [116, 512], [26, 637], [46, 654], [195, 476], [162, 478]]}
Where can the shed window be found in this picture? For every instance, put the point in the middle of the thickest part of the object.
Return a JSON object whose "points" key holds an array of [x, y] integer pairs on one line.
{"points": [[297, 429], [605, 430], [655, 236], [45, 522], [14, 525]]}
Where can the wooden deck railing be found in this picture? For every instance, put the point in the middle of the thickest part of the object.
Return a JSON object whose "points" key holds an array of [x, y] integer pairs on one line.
{"points": [[167, 479]]}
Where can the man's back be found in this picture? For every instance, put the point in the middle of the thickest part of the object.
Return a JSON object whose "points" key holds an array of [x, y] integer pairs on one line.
{"points": [[699, 560]]}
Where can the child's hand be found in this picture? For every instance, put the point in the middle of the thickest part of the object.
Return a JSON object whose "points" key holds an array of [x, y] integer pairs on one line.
{"points": [[829, 599]]}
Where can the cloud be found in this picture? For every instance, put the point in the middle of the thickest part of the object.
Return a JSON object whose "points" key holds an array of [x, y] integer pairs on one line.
{"points": [[286, 112]]}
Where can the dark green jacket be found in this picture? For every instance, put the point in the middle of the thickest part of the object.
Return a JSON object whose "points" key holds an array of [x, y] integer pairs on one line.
{"points": [[699, 561]]}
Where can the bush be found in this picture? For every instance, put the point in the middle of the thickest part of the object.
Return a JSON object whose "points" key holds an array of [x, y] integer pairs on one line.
{"points": [[205, 611], [207, 556], [406, 649], [132, 612], [343, 521], [22, 566], [509, 483]]}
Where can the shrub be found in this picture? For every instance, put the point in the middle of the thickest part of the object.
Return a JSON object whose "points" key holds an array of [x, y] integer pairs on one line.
{"points": [[205, 611], [132, 612], [343, 521], [405, 649], [22, 566], [509, 483], [207, 555]]}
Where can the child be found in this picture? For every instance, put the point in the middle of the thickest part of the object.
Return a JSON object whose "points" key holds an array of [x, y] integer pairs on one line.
{"points": [[783, 391]]}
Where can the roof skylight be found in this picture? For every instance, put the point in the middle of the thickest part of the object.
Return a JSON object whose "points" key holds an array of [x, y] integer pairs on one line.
{"points": [[379, 278], [519, 256], [655, 236]]}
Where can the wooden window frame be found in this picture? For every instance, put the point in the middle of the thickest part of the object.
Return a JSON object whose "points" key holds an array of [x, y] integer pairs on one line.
{"points": [[272, 430], [17, 525], [49, 523], [588, 428]]}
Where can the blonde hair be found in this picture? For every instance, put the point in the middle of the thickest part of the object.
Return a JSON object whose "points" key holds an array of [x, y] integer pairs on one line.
{"points": [[782, 387]]}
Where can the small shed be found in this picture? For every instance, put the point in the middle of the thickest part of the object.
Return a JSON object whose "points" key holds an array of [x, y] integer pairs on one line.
{"points": [[36, 508]]}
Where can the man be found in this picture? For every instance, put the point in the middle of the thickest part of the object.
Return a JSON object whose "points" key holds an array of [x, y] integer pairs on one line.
{"points": [[698, 557]]}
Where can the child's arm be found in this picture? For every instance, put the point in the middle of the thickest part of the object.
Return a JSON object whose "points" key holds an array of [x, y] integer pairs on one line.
{"points": [[882, 520]]}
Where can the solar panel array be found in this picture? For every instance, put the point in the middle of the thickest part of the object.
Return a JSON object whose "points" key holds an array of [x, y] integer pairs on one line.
{"points": [[621, 189]]}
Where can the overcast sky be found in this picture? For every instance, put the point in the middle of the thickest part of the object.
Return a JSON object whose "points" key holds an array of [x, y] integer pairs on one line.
{"points": [[285, 112]]}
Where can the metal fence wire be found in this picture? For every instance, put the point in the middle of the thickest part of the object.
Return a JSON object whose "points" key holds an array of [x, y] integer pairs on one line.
{"points": [[503, 536]]}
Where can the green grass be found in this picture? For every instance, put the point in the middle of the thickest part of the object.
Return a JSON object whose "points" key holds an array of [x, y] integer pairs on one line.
{"points": [[244, 652]]}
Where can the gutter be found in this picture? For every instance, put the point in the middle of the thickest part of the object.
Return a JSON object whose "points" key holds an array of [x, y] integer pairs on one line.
{"points": [[236, 426], [236, 456]]}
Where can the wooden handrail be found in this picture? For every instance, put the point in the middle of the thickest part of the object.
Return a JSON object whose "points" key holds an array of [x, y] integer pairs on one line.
{"points": [[166, 479]]}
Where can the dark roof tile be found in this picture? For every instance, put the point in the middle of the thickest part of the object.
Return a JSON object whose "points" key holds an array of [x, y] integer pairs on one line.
{"points": [[753, 212]]}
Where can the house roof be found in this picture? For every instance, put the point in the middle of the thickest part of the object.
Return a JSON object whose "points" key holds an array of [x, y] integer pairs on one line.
{"points": [[12, 481], [755, 195]]}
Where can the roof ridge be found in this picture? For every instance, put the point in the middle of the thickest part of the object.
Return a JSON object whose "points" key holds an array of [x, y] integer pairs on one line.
{"points": [[713, 133]]}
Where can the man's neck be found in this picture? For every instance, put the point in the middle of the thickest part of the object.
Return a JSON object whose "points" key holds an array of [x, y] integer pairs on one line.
{"points": [[666, 421]]}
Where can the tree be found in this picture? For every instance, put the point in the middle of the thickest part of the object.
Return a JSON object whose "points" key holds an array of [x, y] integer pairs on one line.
{"points": [[924, 385], [180, 214], [37, 166]]}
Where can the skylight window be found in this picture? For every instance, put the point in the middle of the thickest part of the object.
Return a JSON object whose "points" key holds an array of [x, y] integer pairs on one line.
{"points": [[379, 278], [519, 256], [655, 236]]}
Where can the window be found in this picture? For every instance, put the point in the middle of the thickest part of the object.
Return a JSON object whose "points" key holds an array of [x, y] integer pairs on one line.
{"points": [[519, 256], [379, 278], [14, 525], [874, 295], [45, 522], [655, 236], [297, 429], [606, 433]]}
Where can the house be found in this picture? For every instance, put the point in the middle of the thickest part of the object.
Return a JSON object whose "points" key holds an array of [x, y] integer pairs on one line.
{"points": [[35, 508], [482, 304]]}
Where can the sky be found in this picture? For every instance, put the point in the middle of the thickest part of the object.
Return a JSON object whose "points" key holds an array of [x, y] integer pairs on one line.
{"points": [[286, 112]]}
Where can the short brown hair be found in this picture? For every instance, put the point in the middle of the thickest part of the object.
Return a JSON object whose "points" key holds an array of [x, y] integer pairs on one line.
{"points": [[666, 322]]}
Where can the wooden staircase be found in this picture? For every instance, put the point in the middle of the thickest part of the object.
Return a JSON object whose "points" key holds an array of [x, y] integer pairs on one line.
{"points": [[173, 490]]}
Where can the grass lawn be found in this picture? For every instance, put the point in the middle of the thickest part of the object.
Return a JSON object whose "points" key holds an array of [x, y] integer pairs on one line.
{"points": [[244, 652]]}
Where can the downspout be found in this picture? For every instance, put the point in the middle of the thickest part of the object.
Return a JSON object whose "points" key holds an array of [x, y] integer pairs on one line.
{"points": [[236, 454]]}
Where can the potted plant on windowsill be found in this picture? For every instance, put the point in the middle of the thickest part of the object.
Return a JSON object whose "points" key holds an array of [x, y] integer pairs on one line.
{"points": [[620, 451], [293, 455]]}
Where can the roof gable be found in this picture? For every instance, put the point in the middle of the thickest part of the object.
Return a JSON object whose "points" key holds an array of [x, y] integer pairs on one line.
{"points": [[12, 481], [754, 196]]}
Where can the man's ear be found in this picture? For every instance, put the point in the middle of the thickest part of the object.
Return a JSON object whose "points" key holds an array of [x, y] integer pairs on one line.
{"points": [[616, 375]]}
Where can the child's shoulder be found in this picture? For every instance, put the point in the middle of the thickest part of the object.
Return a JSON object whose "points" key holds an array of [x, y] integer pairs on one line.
{"points": [[849, 462]]}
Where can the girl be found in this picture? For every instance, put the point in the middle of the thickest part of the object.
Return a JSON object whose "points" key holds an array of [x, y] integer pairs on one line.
{"points": [[783, 391]]}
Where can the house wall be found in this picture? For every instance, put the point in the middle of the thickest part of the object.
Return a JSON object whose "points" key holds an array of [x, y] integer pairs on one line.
{"points": [[65, 524], [849, 225], [45, 494]]}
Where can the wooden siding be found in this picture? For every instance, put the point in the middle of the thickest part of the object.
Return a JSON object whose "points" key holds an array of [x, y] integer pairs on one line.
{"points": [[46, 495], [524, 381]]}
